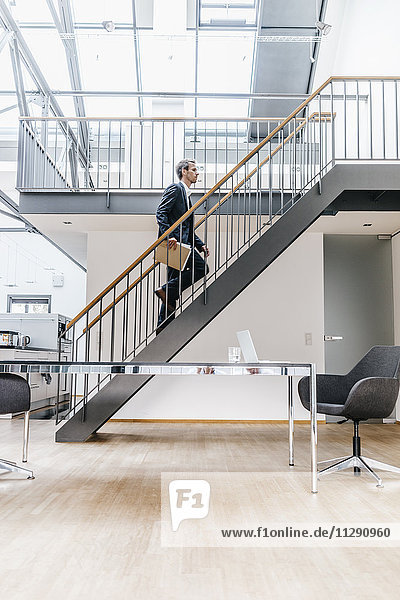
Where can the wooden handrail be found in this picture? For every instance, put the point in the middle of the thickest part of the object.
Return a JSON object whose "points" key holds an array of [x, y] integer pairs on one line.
{"points": [[199, 203]]}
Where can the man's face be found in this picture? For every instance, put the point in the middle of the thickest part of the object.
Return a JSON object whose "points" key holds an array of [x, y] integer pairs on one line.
{"points": [[191, 173]]}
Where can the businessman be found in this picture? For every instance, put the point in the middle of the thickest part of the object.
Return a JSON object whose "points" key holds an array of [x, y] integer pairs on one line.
{"points": [[174, 203]]}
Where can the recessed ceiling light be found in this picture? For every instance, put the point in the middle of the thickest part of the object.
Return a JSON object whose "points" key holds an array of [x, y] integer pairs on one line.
{"points": [[367, 225]]}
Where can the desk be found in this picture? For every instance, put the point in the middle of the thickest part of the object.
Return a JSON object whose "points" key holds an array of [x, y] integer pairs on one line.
{"points": [[286, 369]]}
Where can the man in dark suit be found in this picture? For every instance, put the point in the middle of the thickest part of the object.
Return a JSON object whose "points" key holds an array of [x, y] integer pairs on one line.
{"points": [[174, 203]]}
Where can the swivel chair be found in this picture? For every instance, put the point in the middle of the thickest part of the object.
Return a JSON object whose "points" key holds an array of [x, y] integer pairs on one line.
{"points": [[15, 396], [368, 391]]}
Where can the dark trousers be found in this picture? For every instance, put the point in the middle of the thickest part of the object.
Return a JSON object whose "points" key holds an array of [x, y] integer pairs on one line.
{"points": [[178, 281]]}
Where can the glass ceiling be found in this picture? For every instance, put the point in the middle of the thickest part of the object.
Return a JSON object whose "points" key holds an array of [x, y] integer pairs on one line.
{"points": [[196, 46]]}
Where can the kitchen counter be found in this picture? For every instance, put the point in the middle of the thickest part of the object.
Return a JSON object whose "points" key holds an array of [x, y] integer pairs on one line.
{"points": [[43, 389], [34, 348]]}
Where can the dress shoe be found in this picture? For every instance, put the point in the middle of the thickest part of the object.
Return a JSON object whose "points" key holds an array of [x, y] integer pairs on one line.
{"points": [[160, 293]]}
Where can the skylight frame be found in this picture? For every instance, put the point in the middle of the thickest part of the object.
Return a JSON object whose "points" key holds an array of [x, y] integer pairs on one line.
{"points": [[224, 22]]}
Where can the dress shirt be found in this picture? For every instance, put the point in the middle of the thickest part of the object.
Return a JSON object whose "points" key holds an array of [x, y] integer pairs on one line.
{"points": [[188, 191]]}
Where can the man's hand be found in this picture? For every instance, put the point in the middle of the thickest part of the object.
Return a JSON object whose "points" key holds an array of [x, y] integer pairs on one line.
{"points": [[205, 250], [172, 243]]}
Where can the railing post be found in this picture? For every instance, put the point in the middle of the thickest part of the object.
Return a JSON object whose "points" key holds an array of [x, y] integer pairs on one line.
{"points": [[320, 145], [205, 253], [270, 183], [20, 153], [333, 125]]}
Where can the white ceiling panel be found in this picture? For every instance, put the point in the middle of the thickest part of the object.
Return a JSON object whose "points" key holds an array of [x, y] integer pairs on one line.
{"points": [[225, 62], [111, 107], [48, 51], [107, 60], [7, 77], [167, 62], [96, 11], [32, 11], [209, 107]]}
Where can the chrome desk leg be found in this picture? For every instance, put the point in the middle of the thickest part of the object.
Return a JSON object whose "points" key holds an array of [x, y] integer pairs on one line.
{"points": [[291, 421], [313, 419], [26, 437]]}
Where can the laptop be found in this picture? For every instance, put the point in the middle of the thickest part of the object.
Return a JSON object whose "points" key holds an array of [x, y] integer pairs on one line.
{"points": [[248, 350], [247, 346]]}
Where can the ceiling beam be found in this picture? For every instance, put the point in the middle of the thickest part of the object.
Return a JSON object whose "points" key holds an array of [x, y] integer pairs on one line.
{"points": [[137, 59], [9, 24], [127, 94], [10, 215], [14, 208], [64, 23], [15, 230], [18, 79], [33, 68], [315, 48], [4, 39]]}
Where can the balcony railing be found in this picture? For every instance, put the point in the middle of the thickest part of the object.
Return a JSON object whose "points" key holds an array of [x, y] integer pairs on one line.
{"points": [[77, 154]]}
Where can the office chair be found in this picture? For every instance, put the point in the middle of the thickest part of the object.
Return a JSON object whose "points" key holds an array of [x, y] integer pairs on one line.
{"points": [[15, 396], [368, 391]]}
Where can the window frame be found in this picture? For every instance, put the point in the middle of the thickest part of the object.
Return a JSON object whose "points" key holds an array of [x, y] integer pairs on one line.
{"points": [[28, 299]]}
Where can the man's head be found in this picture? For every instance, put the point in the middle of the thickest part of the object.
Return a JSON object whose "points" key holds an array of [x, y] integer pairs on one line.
{"points": [[186, 170]]}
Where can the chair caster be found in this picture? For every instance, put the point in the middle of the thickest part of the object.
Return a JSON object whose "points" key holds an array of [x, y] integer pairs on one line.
{"points": [[33, 477]]}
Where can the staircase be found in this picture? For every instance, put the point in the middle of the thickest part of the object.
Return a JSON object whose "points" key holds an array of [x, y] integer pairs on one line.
{"points": [[256, 211]]}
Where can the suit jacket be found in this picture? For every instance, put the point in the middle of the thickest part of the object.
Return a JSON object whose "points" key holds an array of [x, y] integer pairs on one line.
{"points": [[172, 206]]}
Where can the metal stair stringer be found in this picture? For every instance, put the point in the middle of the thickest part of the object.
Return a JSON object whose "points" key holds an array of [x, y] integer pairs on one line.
{"points": [[227, 287]]}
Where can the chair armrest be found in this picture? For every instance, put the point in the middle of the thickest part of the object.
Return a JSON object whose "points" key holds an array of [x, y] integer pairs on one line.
{"points": [[331, 389], [372, 398]]}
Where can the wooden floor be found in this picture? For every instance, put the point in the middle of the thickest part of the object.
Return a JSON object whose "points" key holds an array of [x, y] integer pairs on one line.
{"points": [[88, 526]]}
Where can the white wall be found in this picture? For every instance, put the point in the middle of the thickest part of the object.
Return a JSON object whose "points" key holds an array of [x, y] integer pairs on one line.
{"points": [[396, 297], [279, 307], [67, 300], [364, 39], [109, 253]]}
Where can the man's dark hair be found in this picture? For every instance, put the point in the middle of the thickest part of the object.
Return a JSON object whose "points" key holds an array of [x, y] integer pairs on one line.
{"points": [[183, 164]]}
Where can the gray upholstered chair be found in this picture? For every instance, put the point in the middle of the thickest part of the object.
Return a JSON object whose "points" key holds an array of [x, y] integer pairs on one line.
{"points": [[369, 391], [15, 397]]}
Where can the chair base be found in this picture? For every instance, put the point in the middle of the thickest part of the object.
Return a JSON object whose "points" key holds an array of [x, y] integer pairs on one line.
{"points": [[6, 465], [359, 462]]}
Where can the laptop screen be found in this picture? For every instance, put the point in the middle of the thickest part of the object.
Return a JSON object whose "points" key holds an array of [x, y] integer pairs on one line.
{"points": [[247, 346]]}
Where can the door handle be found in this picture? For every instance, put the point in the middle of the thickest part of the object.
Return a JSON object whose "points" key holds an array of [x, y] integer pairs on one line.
{"points": [[332, 338]]}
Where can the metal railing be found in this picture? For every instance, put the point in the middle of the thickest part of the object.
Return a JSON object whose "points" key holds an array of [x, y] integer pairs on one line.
{"points": [[342, 120], [130, 154]]}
